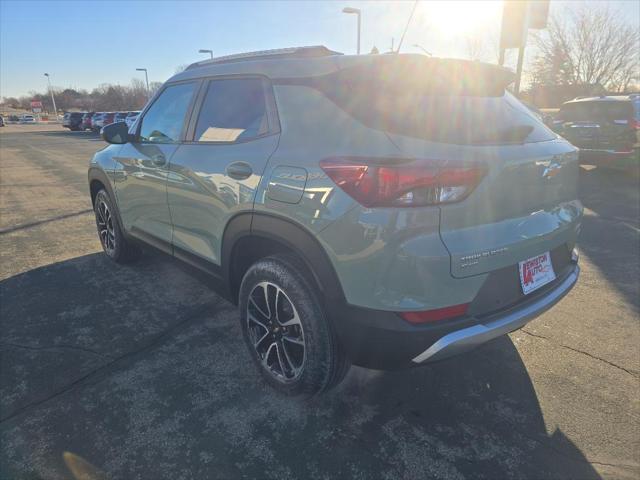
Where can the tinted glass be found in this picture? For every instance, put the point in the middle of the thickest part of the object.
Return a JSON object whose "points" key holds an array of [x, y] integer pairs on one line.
{"points": [[233, 110], [164, 120], [441, 105]]}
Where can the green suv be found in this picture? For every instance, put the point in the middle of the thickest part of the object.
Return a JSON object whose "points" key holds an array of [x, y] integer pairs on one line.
{"points": [[379, 210]]}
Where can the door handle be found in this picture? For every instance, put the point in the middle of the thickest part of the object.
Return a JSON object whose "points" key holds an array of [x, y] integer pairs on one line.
{"points": [[159, 160], [239, 170]]}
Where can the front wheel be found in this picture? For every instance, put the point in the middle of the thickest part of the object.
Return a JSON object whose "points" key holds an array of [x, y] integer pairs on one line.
{"points": [[113, 242], [286, 328]]}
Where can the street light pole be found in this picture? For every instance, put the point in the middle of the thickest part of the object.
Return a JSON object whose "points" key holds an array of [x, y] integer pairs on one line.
{"points": [[53, 100], [210, 52], [358, 12], [146, 77]]}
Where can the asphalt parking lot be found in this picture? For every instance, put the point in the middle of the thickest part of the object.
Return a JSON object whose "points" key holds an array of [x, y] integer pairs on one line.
{"points": [[139, 372]]}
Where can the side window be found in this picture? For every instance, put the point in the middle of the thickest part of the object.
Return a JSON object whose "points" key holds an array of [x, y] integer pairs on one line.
{"points": [[233, 110], [164, 120]]}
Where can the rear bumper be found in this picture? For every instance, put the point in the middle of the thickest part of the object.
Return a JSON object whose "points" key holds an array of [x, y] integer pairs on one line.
{"points": [[611, 158], [382, 340], [468, 338]]}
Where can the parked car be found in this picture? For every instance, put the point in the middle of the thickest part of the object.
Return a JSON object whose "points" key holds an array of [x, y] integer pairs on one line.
{"points": [[131, 118], [27, 119], [377, 210], [73, 120], [108, 118], [86, 121], [13, 118], [120, 116], [97, 121], [605, 128], [1, 121]]}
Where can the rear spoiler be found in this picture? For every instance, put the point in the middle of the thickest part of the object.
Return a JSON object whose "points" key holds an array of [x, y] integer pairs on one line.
{"points": [[436, 76]]}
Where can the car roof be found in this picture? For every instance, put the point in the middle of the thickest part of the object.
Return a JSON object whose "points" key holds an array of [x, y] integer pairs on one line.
{"points": [[302, 62], [605, 98]]}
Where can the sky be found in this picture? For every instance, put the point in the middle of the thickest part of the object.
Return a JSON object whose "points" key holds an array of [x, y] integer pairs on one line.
{"points": [[83, 44]]}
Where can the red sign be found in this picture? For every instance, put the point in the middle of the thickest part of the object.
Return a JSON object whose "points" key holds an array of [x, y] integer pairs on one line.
{"points": [[36, 104]]}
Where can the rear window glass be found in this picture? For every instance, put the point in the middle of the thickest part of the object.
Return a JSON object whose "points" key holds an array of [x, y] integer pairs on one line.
{"points": [[447, 105], [595, 111]]}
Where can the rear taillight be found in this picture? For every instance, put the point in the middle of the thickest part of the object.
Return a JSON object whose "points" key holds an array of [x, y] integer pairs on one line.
{"points": [[427, 316], [393, 182], [634, 123]]}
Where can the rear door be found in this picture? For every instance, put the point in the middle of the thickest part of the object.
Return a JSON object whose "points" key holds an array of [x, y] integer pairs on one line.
{"points": [[617, 132], [142, 166], [598, 124], [580, 124], [215, 174]]}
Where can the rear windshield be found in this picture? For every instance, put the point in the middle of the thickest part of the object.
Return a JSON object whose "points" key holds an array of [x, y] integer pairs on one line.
{"points": [[596, 111], [466, 106]]}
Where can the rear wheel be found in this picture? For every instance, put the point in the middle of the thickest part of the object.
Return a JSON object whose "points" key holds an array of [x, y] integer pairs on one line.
{"points": [[113, 242], [286, 329]]}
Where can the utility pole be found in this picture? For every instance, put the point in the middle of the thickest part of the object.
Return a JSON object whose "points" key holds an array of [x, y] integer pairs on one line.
{"points": [[516, 87], [518, 17], [53, 100]]}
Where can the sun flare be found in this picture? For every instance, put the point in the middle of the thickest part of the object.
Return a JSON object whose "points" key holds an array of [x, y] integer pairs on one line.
{"points": [[460, 17]]}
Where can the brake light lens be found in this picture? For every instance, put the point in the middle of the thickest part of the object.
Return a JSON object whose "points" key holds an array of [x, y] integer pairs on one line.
{"points": [[428, 316], [394, 182]]}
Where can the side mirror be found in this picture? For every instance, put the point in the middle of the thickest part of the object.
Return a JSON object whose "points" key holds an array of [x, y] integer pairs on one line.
{"points": [[117, 133]]}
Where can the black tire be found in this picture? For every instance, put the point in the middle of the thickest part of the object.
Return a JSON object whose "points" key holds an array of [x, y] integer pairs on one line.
{"points": [[114, 243], [324, 363]]}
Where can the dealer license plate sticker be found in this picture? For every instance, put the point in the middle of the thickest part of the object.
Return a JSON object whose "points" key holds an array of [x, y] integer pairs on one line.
{"points": [[536, 272]]}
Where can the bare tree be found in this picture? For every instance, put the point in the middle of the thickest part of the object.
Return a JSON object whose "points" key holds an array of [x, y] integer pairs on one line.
{"points": [[588, 45]]}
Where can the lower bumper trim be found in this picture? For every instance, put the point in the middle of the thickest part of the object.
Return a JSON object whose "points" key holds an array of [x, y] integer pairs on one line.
{"points": [[468, 338]]}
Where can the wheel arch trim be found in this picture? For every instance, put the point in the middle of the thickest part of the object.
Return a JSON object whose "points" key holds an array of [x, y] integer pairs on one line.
{"points": [[98, 174], [287, 233]]}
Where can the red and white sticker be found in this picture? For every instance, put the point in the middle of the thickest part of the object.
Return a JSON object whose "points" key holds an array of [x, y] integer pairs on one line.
{"points": [[536, 272]]}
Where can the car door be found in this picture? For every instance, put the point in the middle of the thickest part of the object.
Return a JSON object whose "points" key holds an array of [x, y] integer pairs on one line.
{"points": [[215, 174], [142, 165]]}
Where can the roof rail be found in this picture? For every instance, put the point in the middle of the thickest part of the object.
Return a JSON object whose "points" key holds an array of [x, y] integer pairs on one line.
{"points": [[292, 52]]}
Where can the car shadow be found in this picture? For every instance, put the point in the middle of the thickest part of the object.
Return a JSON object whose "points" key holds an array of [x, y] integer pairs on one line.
{"points": [[141, 371], [610, 228]]}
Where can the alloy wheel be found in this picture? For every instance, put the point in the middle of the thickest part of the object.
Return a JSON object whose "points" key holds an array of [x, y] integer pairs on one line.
{"points": [[106, 230], [275, 331]]}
